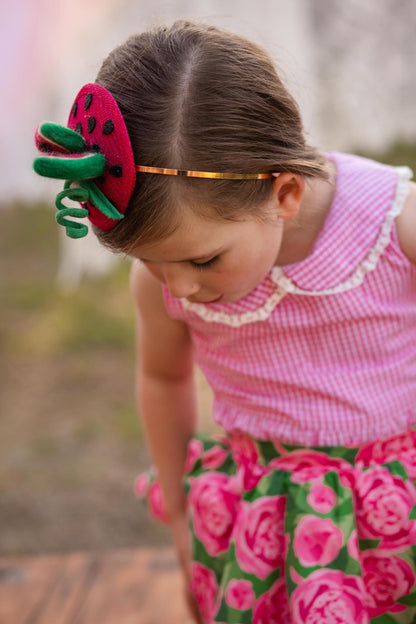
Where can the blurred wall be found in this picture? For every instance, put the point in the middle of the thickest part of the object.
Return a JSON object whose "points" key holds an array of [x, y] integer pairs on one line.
{"points": [[350, 64]]}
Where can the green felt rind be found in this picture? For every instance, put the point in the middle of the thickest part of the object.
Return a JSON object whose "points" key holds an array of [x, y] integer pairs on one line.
{"points": [[62, 136], [65, 167]]}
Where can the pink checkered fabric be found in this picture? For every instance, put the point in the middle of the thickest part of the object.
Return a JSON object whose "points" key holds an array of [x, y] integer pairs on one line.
{"points": [[322, 352]]}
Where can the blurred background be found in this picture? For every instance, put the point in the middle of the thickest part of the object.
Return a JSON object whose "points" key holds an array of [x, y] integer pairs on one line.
{"points": [[70, 436]]}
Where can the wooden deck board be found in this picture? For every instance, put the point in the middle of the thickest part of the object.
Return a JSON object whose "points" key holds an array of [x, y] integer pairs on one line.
{"points": [[139, 586]]}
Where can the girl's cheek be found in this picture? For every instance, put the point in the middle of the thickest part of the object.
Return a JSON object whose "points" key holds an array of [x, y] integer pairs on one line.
{"points": [[155, 271]]}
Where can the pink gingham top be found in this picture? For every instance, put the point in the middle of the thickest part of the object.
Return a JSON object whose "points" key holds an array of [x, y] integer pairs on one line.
{"points": [[323, 351]]}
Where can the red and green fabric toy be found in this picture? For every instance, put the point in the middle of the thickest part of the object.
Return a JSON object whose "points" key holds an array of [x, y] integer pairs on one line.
{"points": [[93, 154]]}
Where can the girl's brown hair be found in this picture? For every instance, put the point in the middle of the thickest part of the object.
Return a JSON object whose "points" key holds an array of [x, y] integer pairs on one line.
{"points": [[197, 97]]}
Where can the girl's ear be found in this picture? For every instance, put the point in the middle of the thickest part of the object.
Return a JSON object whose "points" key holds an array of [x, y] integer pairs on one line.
{"points": [[288, 189]]}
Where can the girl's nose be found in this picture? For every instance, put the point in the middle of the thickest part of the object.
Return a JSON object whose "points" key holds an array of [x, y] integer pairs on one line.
{"points": [[180, 281]]}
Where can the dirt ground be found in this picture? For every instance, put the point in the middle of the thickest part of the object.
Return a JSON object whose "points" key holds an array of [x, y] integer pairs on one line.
{"points": [[70, 437]]}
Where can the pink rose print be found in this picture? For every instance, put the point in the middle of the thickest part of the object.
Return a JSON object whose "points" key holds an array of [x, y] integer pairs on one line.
{"points": [[317, 541], [239, 594], [409, 463], [273, 606], [308, 465], [352, 545], [386, 579], [246, 456], [214, 505], [260, 544], [383, 504], [156, 504], [204, 586], [244, 448], [248, 475], [401, 446], [328, 596], [296, 578], [321, 498], [195, 449], [214, 457], [141, 485]]}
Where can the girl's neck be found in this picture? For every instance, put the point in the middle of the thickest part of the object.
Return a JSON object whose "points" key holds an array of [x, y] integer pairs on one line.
{"points": [[300, 233]]}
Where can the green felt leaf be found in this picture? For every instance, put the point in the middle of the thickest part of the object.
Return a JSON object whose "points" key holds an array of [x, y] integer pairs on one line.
{"points": [[100, 201], [412, 515]]}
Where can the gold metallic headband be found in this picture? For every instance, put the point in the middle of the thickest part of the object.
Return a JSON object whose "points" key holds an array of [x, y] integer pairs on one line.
{"points": [[205, 174]]}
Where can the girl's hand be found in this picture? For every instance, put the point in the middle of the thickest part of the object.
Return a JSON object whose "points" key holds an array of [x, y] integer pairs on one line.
{"points": [[182, 541]]}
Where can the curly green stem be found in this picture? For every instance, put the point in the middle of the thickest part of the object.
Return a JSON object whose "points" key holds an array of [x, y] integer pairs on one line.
{"points": [[86, 192]]}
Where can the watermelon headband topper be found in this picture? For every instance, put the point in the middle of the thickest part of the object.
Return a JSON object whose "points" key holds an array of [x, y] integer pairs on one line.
{"points": [[94, 152]]}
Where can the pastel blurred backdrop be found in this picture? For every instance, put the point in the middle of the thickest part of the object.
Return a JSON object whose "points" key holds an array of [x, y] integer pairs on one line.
{"points": [[70, 436]]}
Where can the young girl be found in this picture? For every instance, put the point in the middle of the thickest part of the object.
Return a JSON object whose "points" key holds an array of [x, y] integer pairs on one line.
{"points": [[289, 276]]}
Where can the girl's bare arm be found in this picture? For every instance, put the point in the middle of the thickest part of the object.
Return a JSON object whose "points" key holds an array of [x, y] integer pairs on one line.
{"points": [[167, 399], [166, 389], [406, 225]]}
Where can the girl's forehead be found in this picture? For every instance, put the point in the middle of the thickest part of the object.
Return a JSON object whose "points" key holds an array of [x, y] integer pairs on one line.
{"points": [[194, 238]]}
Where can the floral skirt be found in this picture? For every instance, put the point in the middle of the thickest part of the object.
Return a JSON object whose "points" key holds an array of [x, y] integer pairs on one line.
{"points": [[293, 535]]}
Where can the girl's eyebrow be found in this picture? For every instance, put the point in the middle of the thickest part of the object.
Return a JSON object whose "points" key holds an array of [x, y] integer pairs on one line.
{"points": [[203, 258]]}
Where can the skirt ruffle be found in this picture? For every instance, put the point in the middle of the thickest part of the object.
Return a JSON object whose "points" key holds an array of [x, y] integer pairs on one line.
{"points": [[291, 535]]}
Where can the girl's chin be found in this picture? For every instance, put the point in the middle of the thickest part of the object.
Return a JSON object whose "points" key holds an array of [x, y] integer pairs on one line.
{"points": [[214, 300]]}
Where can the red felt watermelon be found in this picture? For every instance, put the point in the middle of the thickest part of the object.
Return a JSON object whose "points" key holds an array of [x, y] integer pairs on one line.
{"points": [[97, 117]]}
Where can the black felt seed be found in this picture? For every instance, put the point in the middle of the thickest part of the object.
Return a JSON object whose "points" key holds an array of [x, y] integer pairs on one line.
{"points": [[116, 171], [95, 148], [108, 127], [45, 147], [87, 101], [75, 109], [92, 122], [79, 128]]}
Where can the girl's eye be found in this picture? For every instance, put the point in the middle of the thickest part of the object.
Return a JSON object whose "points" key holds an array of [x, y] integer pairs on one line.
{"points": [[200, 266]]}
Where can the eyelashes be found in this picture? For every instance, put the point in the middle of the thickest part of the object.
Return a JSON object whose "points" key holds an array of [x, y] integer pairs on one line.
{"points": [[202, 266], [198, 266]]}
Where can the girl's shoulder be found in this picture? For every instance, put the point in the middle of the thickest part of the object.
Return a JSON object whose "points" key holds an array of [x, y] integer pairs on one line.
{"points": [[148, 298], [406, 224], [372, 173], [145, 289], [164, 344]]}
